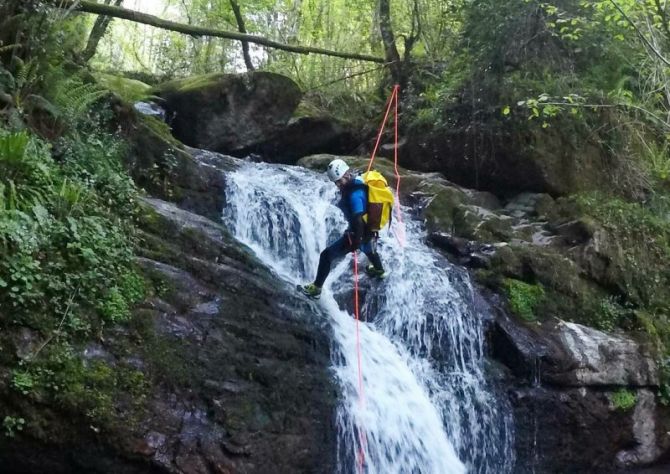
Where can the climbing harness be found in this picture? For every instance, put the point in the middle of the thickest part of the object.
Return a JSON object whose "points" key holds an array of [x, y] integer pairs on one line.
{"points": [[393, 100]]}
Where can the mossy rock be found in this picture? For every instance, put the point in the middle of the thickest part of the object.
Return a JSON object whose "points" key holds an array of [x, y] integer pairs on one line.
{"points": [[568, 293], [189, 84], [229, 112], [450, 210], [160, 164], [441, 209], [130, 90], [629, 251]]}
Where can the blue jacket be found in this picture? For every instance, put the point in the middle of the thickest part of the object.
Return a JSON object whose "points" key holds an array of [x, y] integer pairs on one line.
{"points": [[354, 201]]}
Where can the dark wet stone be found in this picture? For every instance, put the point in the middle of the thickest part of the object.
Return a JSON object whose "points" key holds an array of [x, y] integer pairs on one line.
{"points": [[229, 112]]}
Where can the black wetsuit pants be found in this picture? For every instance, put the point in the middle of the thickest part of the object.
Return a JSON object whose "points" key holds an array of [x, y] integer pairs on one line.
{"points": [[339, 249]]}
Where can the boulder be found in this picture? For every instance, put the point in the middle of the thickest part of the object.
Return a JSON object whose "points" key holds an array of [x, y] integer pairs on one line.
{"points": [[564, 387], [229, 113], [508, 159], [569, 354], [305, 136], [166, 169]]}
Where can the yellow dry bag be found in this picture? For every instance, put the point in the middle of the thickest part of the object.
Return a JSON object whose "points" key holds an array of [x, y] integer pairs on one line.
{"points": [[380, 201]]}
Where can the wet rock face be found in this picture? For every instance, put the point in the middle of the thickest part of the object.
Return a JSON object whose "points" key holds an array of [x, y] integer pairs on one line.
{"points": [[236, 364], [229, 112], [564, 390], [257, 396], [304, 136], [168, 170], [596, 358], [567, 430]]}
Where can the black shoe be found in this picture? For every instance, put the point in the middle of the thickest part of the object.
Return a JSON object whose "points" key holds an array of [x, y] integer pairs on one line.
{"points": [[375, 273]]}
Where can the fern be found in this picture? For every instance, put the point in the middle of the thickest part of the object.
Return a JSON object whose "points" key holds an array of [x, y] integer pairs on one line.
{"points": [[9, 47], [70, 198], [74, 97], [10, 197], [19, 198], [12, 153], [26, 74], [13, 147]]}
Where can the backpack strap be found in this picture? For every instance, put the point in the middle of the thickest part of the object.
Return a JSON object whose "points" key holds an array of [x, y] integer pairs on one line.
{"points": [[390, 218]]}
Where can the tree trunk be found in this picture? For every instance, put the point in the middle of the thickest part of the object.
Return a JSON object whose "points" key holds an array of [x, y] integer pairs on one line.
{"points": [[98, 31], [118, 12], [390, 48], [242, 29]]}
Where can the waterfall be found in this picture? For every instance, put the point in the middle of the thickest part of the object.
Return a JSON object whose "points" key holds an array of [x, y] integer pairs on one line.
{"points": [[426, 405]]}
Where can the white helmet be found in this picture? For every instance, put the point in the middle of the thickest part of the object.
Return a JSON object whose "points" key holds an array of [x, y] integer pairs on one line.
{"points": [[337, 169]]}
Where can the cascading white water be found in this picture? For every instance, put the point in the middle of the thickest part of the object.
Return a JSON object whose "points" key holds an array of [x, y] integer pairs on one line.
{"points": [[426, 406]]}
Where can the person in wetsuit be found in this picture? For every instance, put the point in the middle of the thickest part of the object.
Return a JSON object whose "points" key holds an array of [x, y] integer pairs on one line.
{"points": [[354, 205]]}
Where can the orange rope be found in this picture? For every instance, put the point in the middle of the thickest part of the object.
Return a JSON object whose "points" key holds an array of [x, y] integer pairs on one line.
{"points": [[393, 100], [361, 393], [381, 129], [399, 235]]}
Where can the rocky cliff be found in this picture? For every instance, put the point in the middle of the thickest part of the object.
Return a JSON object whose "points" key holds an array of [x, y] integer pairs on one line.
{"points": [[234, 366]]}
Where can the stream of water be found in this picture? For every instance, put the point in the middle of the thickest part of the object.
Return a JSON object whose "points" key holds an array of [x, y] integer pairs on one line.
{"points": [[426, 405]]}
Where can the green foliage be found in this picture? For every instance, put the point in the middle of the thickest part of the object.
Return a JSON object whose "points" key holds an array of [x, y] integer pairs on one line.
{"points": [[608, 314], [12, 425], [114, 307], [523, 298], [657, 157], [66, 250], [72, 96], [623, 399], [67, 232], [88, 387], [22, 381]]}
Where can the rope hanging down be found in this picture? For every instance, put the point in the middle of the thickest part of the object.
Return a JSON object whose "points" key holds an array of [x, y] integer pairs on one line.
{"points": [[398, 231], [393, 100]]}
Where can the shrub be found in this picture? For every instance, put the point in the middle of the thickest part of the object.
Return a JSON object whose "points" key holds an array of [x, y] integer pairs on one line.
{"points": [[523, 298], [623, 399]]}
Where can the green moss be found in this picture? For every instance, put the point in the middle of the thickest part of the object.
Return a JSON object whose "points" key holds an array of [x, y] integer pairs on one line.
{"points": [[130, 90], [93, 388], [191, 83], [161, 130], [440, 212], [523, 298], [166, 357], [623, 399], [636, 242], [308, 109]]}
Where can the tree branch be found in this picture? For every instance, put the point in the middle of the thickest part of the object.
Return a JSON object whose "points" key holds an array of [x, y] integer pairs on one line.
{"points": [[98, 31], [138, 17], [664, 18], [242, 29], [388, 38], [640, 34]]}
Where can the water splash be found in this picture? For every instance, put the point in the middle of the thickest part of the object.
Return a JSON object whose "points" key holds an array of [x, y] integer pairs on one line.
{"points": [[427, 407]]}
